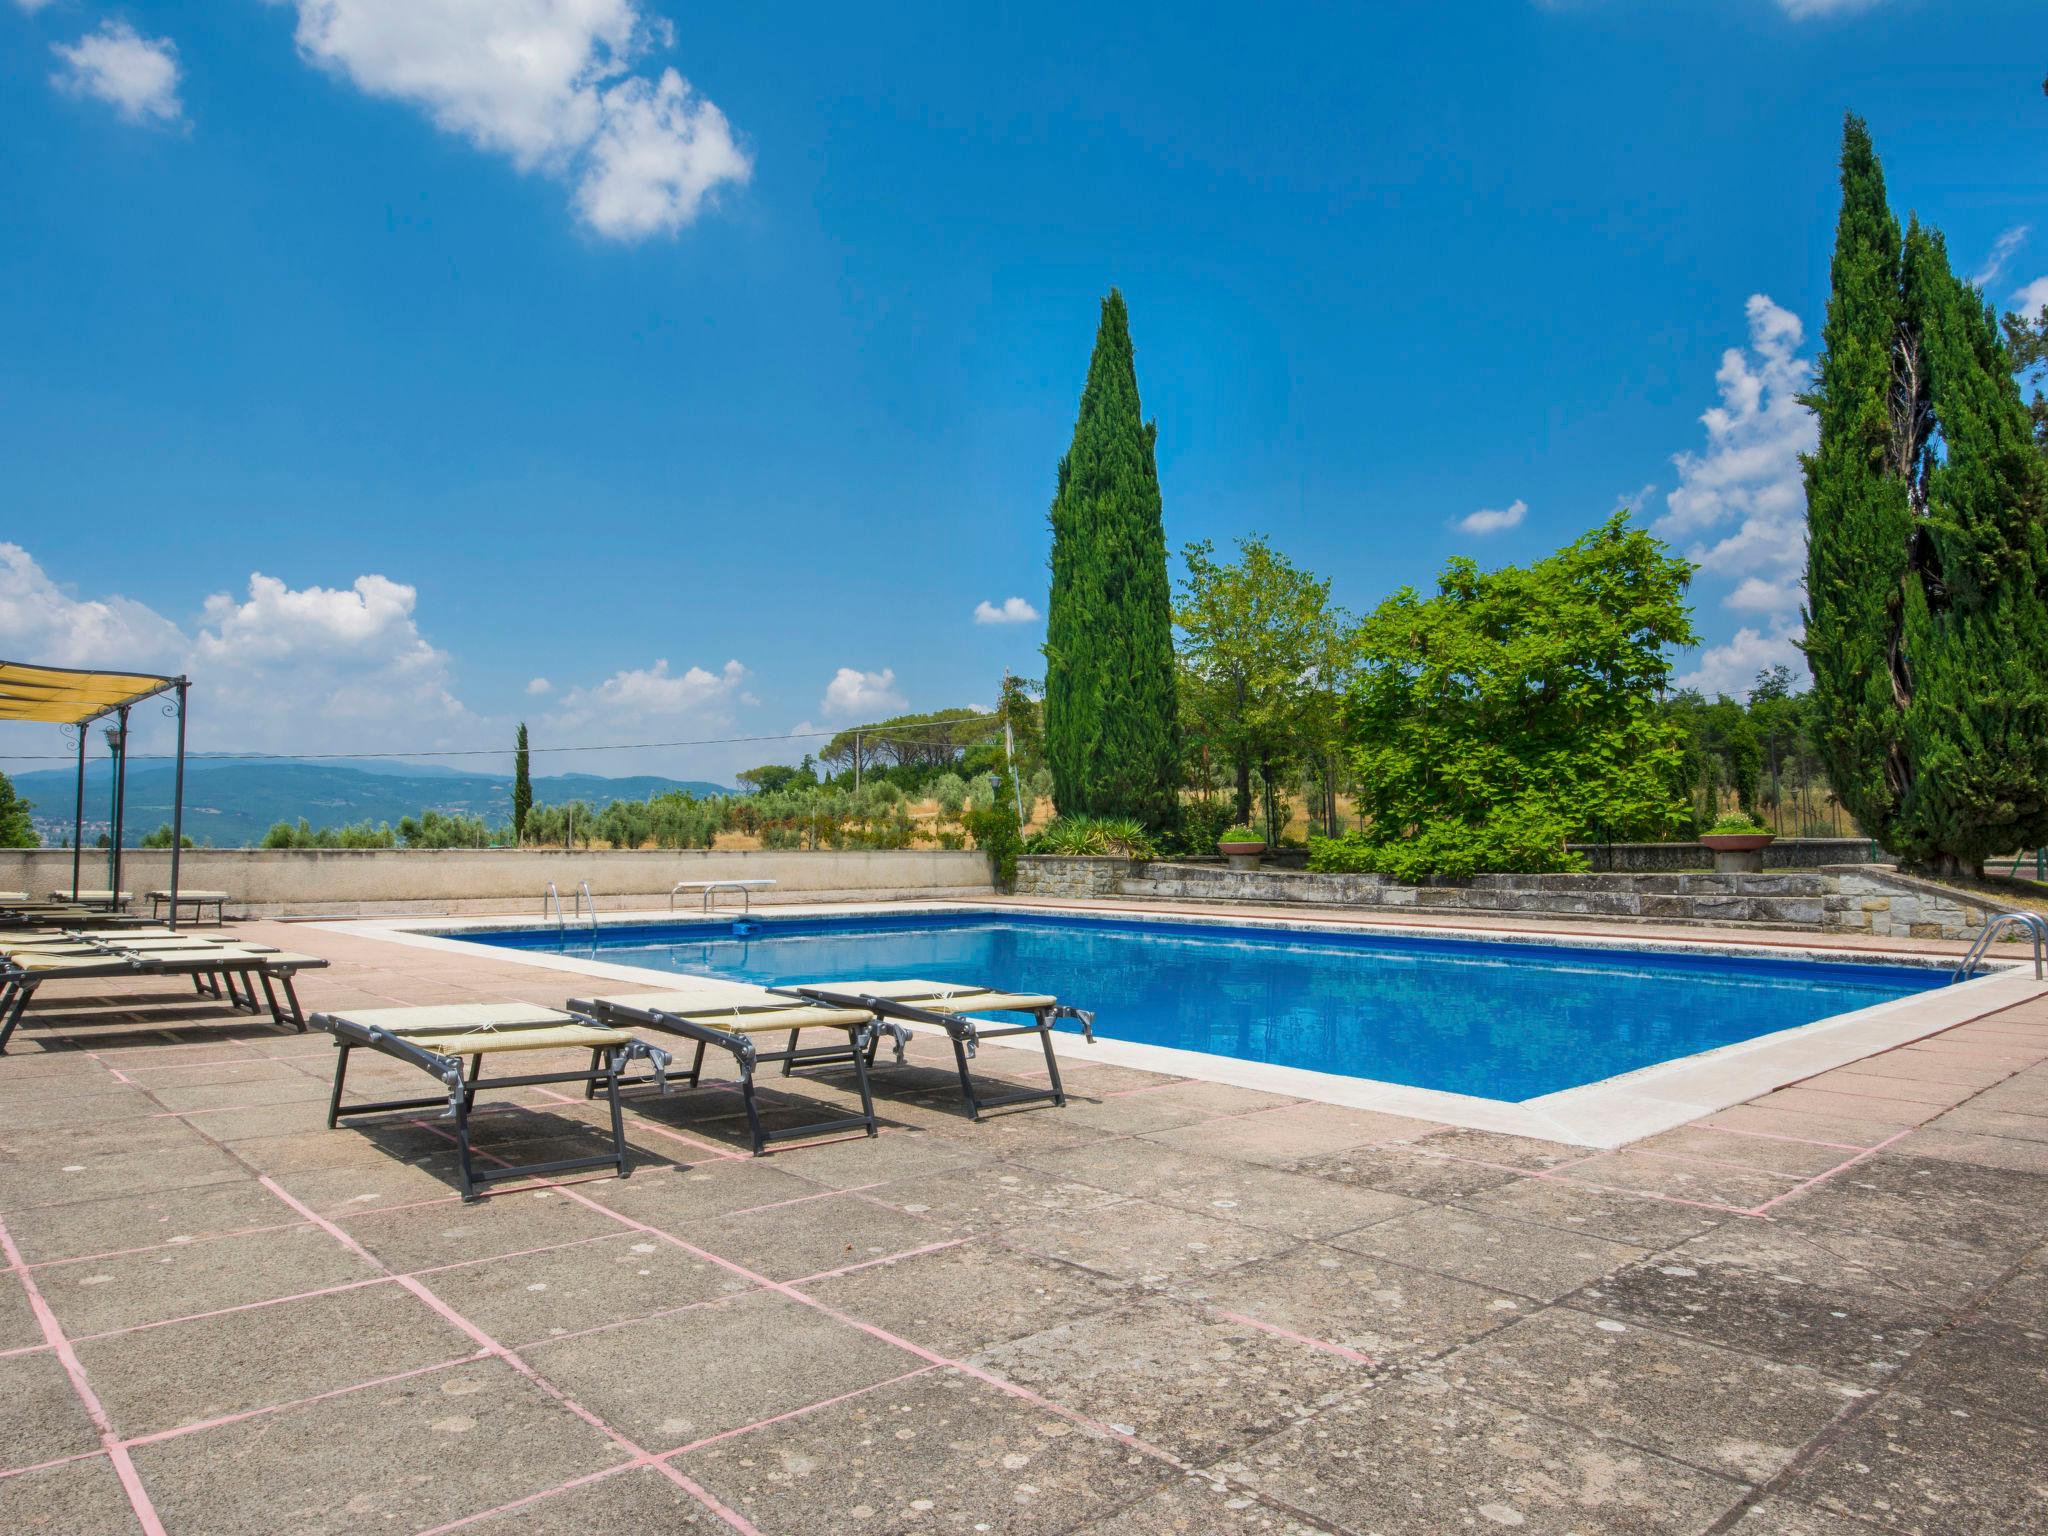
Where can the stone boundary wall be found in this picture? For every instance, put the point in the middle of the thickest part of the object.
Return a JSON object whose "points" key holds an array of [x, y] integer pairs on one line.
{"points": [[327, 881], [1843, 898], [1785, 853], [1879, 900]]}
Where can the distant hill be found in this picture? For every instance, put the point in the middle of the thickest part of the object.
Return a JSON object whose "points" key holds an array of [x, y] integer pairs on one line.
{"points": [[231, 805]]}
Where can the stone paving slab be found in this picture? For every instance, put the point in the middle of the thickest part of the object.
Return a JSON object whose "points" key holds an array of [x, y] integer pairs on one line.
{"points": [[1172, 1307], [939, 1452], [1414, 1457], [1187, 1381]]}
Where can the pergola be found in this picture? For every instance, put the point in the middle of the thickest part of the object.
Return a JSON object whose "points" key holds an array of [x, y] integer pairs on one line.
{"points": [[69, 697]]}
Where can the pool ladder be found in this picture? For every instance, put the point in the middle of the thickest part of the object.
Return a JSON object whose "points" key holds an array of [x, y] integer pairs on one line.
{"points": [[2037, 930], [586, 906]]}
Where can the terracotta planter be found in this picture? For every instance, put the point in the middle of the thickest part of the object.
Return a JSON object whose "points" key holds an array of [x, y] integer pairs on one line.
{"points": [[1242, 855], [1738, 853]]}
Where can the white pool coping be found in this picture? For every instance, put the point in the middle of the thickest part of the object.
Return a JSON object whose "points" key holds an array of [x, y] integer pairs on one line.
{"points": [[1610, 1113]]}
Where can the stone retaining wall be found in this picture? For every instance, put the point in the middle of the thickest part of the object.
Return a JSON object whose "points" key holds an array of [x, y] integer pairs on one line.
{"points": [[1785, 853], [1846, 898], [270, 881]]}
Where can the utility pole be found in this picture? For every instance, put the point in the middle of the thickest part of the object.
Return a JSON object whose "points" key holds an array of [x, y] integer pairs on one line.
{"points": [[1010, 750]]}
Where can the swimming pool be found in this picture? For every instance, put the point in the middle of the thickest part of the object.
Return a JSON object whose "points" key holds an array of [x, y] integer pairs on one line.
{"points": [[1497, 1020]]}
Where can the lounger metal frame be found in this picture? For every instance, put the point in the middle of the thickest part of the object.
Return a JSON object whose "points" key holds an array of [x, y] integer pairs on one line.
{"points": [[966, 1033], [158, 900], [607, 1067], [858, 1053], [212, 975]]}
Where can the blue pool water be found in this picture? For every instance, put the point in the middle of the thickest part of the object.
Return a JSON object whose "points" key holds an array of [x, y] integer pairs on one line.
{"points": [[1503, 1021]]}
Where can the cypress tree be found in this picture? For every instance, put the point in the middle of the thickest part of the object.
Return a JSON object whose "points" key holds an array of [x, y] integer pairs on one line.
{"points": [[1112, 733], [522, 786], [1927, 626]]}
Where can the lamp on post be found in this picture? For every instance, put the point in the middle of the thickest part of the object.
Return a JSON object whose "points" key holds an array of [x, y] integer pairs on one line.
{"points": [[117, 742]]}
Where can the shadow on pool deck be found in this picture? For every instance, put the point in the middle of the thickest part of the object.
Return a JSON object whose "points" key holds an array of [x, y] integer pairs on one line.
{"points": [[1170, 1307]]}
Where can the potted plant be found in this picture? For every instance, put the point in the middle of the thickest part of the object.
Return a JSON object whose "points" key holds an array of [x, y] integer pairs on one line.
{"points": [[1241, 846], [1738, 842]]}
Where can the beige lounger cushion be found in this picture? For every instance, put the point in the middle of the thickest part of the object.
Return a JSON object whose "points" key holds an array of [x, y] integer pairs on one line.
{"points": [[209, 897], [940, 996], [740, 1009], [12, 898], [480, 1029]]}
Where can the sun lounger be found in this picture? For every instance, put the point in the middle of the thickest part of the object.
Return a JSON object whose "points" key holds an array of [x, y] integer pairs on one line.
{"points": [[101, 899], [213, 968], [198, 901], [435, 1039], [13, 898], [733, 1016], [951, 1006]]}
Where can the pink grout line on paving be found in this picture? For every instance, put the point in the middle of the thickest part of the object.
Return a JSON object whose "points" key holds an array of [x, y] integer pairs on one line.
{"points": [[1804, 1141], [1822, 1178], [511, 1358], [53, 1333], [797, 1413], [175, 1242], [57, 1461], [178, 1432], [1309, 1340], [891, 1258], [1701, 1162]]}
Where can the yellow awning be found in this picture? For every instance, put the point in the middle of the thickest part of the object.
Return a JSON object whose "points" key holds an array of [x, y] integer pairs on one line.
{"points": [[65, 696]]}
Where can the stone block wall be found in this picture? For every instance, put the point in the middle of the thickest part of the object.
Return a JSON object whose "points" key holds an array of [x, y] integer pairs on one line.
{"points": [[1848, 898], [1879, 900]]}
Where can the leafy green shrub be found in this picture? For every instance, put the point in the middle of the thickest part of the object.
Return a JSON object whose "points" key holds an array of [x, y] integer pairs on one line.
{"points": [[993, 826], [1240, 834], [1095, 835], [1738, 824], [1510, 842]]}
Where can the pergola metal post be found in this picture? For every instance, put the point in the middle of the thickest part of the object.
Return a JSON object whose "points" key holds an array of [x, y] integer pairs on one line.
{"points": [[120, 812], [178, 804], [78, 817]]}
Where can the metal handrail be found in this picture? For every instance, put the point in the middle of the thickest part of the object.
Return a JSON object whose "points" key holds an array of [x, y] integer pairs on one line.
{"points": [[2037, 929], [546, 896], [583, 895]]}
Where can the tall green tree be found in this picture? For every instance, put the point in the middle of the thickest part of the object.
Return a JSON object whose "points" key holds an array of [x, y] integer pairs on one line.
{"points": [[522, 786], [2026, 338], [1927, 628], [1112, 729], [16, 831], [1264, 657], [1515, 709]]}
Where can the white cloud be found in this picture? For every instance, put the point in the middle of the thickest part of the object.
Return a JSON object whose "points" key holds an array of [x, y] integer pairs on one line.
{"points": [[351, 658], [1636, 500], [1732, 668], [137, 76], [638, 694], [2003, 250], [549, 84], [1013, 610], [284, 669], [31, 6], [2033, 298], [539, 685], [1494, 520], [1803, 10], [1743, 501], [39, 621], [866, 694]]}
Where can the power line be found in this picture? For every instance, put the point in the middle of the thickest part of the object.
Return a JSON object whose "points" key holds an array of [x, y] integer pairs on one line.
{"points": [[621, 746]]}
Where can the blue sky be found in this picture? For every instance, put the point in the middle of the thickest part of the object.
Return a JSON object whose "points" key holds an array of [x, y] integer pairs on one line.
{"points": [[382, 360]]}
